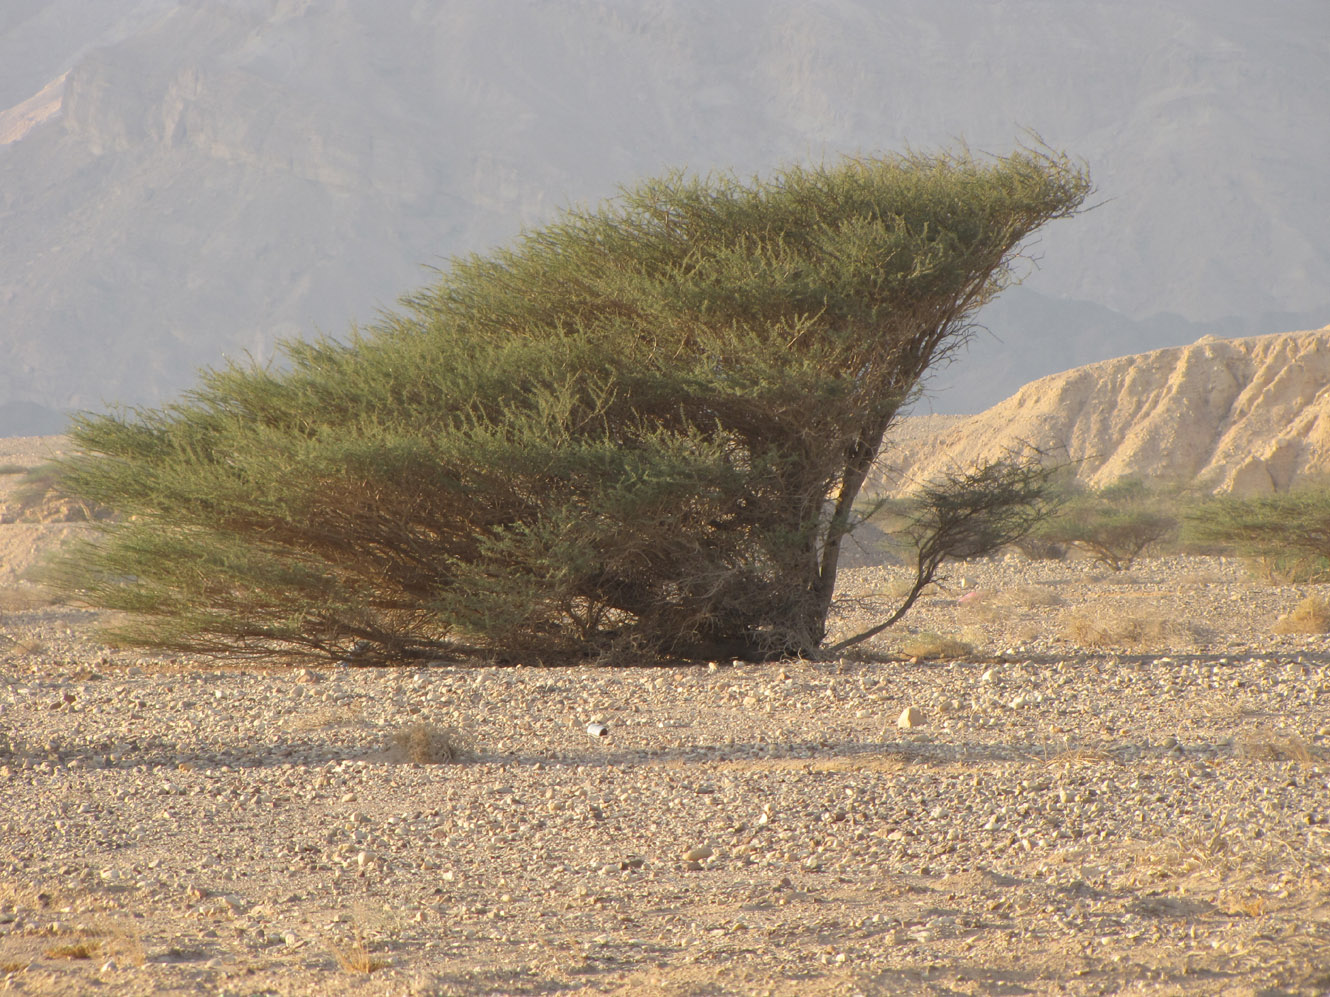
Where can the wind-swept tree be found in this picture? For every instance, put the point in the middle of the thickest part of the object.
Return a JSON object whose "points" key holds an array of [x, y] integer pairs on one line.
{"points": [[642, 428]]}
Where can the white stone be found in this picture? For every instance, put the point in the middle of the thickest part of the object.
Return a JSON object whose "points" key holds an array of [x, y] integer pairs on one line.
{"points": [[911, 716]]}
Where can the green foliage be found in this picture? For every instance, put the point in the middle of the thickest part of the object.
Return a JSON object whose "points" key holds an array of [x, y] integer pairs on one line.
{"points": [[643, 428], [970, 514], [1115, 525], [1287, 535]]}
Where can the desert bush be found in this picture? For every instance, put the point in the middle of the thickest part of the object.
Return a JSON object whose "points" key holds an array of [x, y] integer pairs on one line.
{"points": [[1278, 746], [1288, 570], [1030, 597], [935, 647], [426, 744], [965, 515], [1041, 549], [646, 426], [1311, 616], [1115, 629], [1285, 537], [1114, 525], [355, 956]]}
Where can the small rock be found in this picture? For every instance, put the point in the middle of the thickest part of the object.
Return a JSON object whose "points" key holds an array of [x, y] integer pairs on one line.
{"points": [[911, 716], [699, 853], [990, 675]]}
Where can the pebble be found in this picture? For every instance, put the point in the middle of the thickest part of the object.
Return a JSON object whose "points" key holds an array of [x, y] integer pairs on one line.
{"points": [[911, 716], [1047, 797]]}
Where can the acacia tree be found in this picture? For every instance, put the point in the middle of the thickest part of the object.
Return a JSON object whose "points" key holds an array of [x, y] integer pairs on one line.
{"points": [[1287, 534], [1115, 524], [644, 427]]}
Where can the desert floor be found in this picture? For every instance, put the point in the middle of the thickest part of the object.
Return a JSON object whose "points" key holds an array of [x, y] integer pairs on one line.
{"points": [[1120, 788]]}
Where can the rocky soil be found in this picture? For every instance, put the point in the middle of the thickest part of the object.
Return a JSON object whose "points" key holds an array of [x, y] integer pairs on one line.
{"points": [[1120, 786]]}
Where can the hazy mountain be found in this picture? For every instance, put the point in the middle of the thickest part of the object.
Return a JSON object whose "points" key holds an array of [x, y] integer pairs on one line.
{"points": [[185, 180]]}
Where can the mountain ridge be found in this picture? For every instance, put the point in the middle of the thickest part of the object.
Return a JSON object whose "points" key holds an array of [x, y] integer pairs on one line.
{"points": [[1246, 416]]}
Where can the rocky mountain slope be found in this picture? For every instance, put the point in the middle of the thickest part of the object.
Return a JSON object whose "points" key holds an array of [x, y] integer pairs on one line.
{"points": [[186, 179], [1249, 416]]}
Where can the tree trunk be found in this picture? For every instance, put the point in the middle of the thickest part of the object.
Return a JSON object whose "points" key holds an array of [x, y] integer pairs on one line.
{"points": [[860, 461]]}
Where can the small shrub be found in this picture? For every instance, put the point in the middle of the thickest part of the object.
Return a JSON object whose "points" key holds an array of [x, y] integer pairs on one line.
{"points": [[1311, 616], [87, 949], [425, 744], [1041, 549], [1114, 525], [981, 608], [1030, 597], [1122, 630], [1268, 746], [355, 957], [935, 647], [1289, 570]]}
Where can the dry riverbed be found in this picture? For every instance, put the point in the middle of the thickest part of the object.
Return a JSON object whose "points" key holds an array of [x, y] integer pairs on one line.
{"points": [[1065, 819]]}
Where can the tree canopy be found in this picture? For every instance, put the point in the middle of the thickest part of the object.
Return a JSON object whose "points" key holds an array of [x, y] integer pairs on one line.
{"points": [[641, 428]]}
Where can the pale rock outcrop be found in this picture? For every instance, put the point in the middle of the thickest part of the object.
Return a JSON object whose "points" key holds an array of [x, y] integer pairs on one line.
{"points": [[1247, 416]]}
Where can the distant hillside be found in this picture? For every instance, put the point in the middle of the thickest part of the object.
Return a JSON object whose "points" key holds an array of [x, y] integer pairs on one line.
{"points": [[1249, 416], [183, 180]]}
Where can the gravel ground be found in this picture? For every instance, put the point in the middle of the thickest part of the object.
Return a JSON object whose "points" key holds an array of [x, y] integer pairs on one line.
{"points": [[1120, 788]]}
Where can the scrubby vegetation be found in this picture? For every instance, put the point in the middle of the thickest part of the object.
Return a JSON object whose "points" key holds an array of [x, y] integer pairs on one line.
{"points": [[1286, 536], [641, 431], [1311, 616], [1114, 525]]}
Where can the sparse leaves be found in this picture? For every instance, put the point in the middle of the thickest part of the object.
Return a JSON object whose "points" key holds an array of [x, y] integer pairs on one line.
{"points": [[969, 514], [1288, 534], [1115, 525]]}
